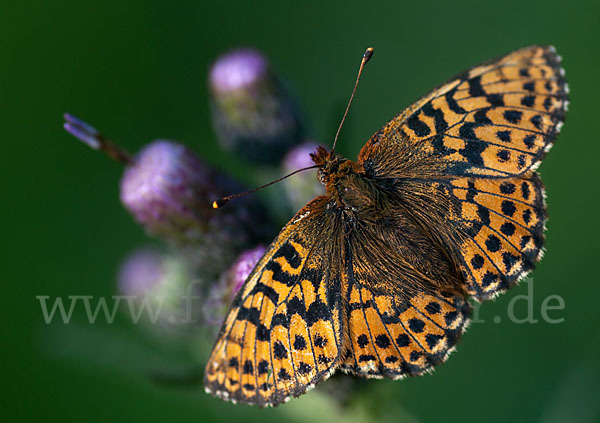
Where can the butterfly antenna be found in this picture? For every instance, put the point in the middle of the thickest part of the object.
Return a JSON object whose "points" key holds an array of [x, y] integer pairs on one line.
{"points": [[221, 202], [90, 136], [366, 57]]}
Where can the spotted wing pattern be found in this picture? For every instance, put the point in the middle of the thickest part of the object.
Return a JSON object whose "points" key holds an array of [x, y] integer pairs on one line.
{"points": [[283, 332], [505, 222], [390, 336], [478, 139], [495, 120]]}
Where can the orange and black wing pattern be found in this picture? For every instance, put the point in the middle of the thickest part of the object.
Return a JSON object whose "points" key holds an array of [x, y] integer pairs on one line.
{"points": [[505, 221], [497, 119], [283, 332], [391, 336], [476, 142], [406, 314]]}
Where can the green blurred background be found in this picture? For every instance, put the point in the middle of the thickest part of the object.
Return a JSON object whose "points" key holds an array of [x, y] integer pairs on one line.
{"points": [[138, 69]]}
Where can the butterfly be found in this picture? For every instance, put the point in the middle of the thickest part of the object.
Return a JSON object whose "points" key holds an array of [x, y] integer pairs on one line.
{"points": [[373, 279]]}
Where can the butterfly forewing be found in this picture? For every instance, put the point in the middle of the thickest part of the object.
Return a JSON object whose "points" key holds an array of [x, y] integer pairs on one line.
{"points": [[283, 332], [495, 120], [475, 142]]}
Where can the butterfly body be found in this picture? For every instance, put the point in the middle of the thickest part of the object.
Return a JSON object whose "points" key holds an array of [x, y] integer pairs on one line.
{"points": [[373, 278]]}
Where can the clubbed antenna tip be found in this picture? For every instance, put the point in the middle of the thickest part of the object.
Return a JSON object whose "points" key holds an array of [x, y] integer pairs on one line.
{"points": [[366, 57], [219, 203]]}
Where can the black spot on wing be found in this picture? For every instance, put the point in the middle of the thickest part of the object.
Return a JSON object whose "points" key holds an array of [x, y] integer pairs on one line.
{"points": [[507, 188], [248, 368], [481, 117], [513, 116], [503, 136], [366, 357], [529, 140], [416, 325], [263, 333], [263, 367], [493, 243], [473, 146], [304, 368], [319, 341], [403, 340], [251, 314], [280, 351], [382, 341], [362, 340], [496, 100], [317, 311], [299, 343], [284, 375], [528, 101]]}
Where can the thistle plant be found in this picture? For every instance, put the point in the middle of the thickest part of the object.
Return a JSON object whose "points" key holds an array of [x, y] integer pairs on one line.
{"points": [[253, 113], [169, 190]]}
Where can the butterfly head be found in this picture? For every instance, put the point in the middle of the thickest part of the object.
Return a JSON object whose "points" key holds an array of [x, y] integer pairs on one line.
{"points": [[337, 173]]}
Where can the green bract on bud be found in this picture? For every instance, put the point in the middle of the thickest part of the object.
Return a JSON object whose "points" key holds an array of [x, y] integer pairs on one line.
{"points": [[304, 186], [160, 289], [170, 191], [222, 294], [253, 113]]}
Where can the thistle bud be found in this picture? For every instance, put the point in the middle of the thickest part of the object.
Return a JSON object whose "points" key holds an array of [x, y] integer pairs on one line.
{"points": [[253, 113], [167, 190], [170, 192], [160, 289], [304, 186], [221, 294]]}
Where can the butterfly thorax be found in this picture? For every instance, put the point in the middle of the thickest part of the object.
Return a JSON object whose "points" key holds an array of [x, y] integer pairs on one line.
{"points": [[349, 187]]}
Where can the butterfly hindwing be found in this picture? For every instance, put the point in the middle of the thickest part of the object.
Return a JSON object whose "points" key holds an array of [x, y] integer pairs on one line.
{"points": [[283, 332], [406, 308], [391, 336], [505, 220], [495, 120]]}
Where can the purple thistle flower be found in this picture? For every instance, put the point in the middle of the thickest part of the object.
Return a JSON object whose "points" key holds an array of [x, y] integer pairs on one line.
{"points": [[170, 192], [238, 69], [254, 115], [167, 190]]}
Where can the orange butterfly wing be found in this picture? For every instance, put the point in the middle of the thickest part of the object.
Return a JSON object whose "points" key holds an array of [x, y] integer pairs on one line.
{"points": [[477, 140], [284, 330], [497, 119]]}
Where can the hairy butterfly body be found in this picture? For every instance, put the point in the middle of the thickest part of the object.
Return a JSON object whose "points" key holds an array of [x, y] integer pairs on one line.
{"points": [[373, 278]]}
